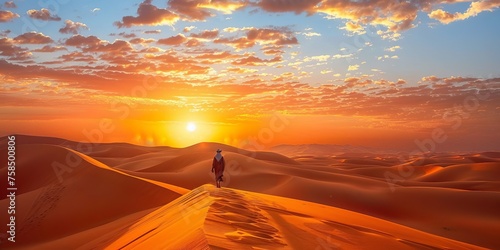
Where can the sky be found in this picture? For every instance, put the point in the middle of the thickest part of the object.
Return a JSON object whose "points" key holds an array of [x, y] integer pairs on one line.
{"points": [[410, 75]]}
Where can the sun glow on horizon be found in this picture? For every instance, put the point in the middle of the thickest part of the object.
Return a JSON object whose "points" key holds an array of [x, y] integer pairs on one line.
{"points": [[191, 126]]}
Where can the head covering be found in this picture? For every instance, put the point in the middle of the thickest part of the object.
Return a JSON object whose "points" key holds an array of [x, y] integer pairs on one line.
{"points": [[218, 156]]}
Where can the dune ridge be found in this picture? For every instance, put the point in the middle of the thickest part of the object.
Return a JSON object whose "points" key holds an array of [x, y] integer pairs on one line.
{"points": [[211, 218]]}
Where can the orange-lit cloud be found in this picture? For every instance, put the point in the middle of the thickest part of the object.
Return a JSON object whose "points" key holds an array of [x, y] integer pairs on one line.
{"points": [[190, 9], [32, 38], [198, 10], [274, 36], [215, 55], [148, 14], [79, 40], [297, 6], [381, 103], [234, 74], [9, 48], [94, 44], [474, 9], [140, 40], [395, 16], [263, 36], [173, 40], [48, 49], [224, 6], [355, 28], [6, 16], [77, 57], [206, 34], [254, 61], [43, 14], [71, 27], [238, 43]]}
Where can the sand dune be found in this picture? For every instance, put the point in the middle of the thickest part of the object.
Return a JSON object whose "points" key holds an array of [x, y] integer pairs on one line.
{"points": [[210, 218], [115, 191], [87, 196]]}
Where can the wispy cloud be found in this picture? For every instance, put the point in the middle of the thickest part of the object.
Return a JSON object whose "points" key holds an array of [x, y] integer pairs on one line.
{"points": [[43, 14], [71, 27], [6, 16]]}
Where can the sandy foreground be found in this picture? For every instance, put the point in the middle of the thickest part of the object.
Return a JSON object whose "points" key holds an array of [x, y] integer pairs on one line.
{"points": [[120, 196]]}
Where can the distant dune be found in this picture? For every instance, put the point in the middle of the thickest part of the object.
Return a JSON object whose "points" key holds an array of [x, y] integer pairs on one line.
{"points": [[117, 195]]}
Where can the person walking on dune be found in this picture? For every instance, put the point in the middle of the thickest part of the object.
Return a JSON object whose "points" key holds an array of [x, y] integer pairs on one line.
{"points": [[218, 166]]}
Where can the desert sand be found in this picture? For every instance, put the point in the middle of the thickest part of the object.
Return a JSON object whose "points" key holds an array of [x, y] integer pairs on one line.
{"points": [[120, 196]]}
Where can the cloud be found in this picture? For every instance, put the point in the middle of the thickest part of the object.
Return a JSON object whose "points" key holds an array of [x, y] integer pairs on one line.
{"points": [[10, 4], [6, 16], [79, 41], [255, 61], [94, 44], [443, 16], [276, 36], [190, 9], [33, 38], [215, 55], [311, 34], [354, 28], [118, 46], [353, 67], [272, 50], [198, 10], [395, 16], [233, 29], [193, 43], [140, 40], [224, 6], [320, 58], [188, 28], [237, 43], [239, 70], [474, 9], [71, 27], [297, 6], [173, 40], [148, 14], [10, 49], [43, 14], [382, 58], [152, 32], [127, 35], [338, 56], [48, 48], [77, 57], [393, 48], [206, 34]]}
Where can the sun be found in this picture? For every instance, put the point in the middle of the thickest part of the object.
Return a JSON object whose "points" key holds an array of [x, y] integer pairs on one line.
{"points": [[191, 126]]}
